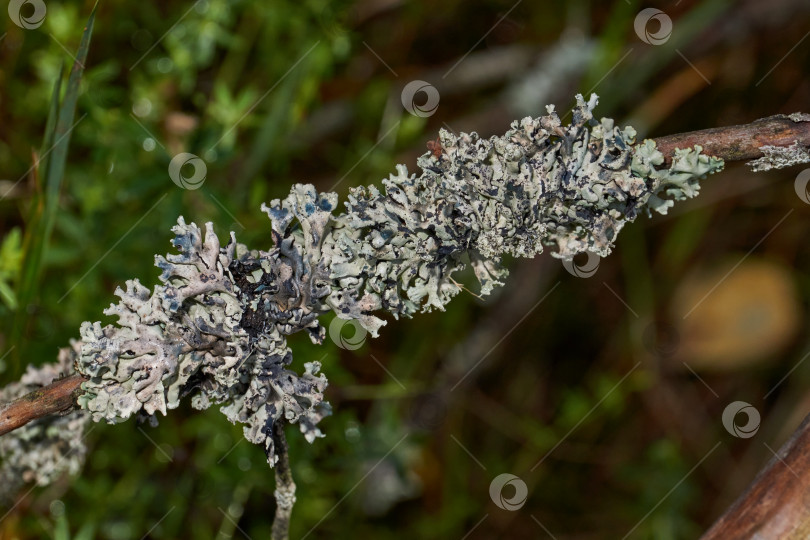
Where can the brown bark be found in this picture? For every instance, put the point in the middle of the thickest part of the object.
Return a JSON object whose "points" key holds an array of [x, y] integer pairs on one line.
{"points": [[58, 397], [775, 505], [741, 143]]}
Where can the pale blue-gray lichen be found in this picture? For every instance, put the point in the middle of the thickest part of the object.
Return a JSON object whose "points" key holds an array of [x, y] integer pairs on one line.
{"points": [[195, 335], [215, 328]]}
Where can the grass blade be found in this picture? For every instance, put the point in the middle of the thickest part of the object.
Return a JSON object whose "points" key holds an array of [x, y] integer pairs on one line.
{"points": [[54, 158]]}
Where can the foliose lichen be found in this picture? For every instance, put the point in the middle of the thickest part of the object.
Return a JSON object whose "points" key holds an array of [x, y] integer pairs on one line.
{"points": [[215, 328]]}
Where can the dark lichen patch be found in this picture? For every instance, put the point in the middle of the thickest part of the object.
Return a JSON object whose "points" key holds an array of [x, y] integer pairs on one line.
{"points": [[33, 396]]}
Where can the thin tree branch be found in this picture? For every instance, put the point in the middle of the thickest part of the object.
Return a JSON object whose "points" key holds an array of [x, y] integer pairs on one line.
{"points": [[58, 397], [285, 486], [743, 142], [775, 505]]}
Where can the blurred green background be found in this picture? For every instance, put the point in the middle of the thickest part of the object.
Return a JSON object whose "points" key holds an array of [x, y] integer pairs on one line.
{"points": [[603, 394]]}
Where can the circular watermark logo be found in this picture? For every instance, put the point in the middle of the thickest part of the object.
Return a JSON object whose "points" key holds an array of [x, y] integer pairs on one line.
{"points": [[57, 508], [428, 411], [752, 419], [642, 26], [34, 14], [661, 339], [800, 185], [351, 342], [182, 161], [516, 501], [413, 90], [585, 270]]}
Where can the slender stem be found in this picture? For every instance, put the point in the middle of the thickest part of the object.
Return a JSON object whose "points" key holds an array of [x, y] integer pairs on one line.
{"points": [[58, 397], [744, 142], [285, 486]]}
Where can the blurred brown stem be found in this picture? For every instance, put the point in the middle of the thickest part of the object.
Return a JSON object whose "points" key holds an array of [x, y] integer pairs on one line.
{"points": [[775, 505], [58, 397]]}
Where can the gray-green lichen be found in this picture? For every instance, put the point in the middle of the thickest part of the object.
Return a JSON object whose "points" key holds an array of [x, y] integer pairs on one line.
{"points": [[215, 328], [799, 117], [42, 450], [779, 157]]}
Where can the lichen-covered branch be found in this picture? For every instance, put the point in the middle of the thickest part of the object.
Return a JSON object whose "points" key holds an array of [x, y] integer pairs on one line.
{"points": [[214, 330], [772, 142]]}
